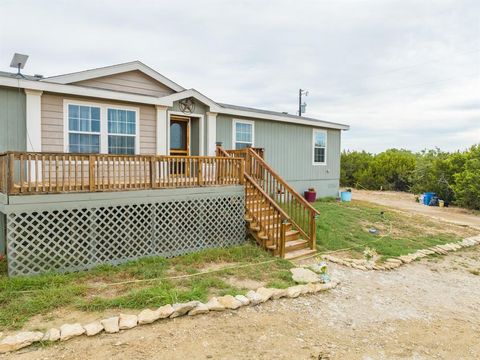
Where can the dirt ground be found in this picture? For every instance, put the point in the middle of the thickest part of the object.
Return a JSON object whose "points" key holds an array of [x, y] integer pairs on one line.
{"points": [[428, 309], [406, 202]]}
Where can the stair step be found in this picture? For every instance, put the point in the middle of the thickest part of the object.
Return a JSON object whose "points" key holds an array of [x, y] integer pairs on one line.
{"points": [[294, 245], [291, 235], [297, 254]]}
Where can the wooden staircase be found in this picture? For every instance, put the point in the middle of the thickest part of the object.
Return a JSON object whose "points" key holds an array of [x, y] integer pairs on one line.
{"points": [[279, 218]]}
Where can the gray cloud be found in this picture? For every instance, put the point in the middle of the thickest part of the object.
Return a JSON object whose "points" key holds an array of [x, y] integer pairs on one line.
{"points": [[394, 70]]}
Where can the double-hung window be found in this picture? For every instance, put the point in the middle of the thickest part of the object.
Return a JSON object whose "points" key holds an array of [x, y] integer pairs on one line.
{"points": [[83, 129], [243, 133], [121, 131], [101, 128], [319, 147]]}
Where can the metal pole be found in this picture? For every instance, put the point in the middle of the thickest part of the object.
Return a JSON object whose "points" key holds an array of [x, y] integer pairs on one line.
{"points": [[300, 102]]}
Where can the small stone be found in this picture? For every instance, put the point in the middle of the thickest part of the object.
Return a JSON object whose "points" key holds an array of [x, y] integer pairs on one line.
{"points": [[302, 275], [165, 311], [229, 302], [254, 298], [265, 293], [93, 328], [20, 340], [214, 305], [148, 316], [111, 325], [279, 293], [183, 308], [199, 309], [52, 334], [243, 299], [127, 321], [68, 331], [395, 261], [294, 291]]}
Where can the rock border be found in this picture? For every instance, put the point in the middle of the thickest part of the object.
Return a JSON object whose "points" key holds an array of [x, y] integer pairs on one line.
{"points": [[393, 263], [147, 316]]}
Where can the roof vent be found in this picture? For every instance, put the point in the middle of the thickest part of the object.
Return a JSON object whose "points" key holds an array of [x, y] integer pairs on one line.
{"points": [[38, 76], [284, 112]]}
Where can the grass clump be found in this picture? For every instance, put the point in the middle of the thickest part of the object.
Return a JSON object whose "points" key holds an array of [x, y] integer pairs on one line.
{"points": [[346, 226]]}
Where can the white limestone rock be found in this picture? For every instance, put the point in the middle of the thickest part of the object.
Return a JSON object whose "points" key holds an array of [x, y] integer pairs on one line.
{"points": [[20, 340], [302, 275], [183, 308], [229, 302], [52, 334], [165, 311], [294, 291], [110, 325], [279, 293], [127, 321], [148, 316], [265, 293], [93, 328], [254, 298], [214, 305], [68, 331], [243, 299], [199, 309]]}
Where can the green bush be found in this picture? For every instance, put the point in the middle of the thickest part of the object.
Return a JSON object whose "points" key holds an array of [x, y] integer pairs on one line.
{"points": [[455, 177], [467, 182]]}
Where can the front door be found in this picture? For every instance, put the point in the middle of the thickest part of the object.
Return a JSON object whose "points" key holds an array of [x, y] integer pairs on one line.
{"points": [[179, 136]]}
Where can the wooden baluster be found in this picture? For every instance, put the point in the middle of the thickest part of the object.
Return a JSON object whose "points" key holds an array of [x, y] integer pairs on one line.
{"points": [[22, 175]]}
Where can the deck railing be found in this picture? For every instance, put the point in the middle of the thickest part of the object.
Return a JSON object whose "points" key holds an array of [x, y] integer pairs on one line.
{"points": [[41, 173]]}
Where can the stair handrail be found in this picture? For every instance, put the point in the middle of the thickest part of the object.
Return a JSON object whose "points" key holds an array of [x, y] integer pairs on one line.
{"points": [[280, 179], [278, 239], [301, 214]]}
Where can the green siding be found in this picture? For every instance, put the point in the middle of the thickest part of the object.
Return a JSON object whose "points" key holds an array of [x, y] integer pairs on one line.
{"points": [[288, 149], [12, 120]]}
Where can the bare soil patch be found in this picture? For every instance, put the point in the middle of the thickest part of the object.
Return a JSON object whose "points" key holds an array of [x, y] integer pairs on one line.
{"points": [[405, 202]]}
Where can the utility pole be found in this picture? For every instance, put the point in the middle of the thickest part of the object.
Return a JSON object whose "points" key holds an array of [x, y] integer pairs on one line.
{"points": [[301, 107]]}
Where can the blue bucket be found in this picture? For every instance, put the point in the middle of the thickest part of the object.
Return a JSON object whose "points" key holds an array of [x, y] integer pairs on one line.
{"points": [[345, 196], [427, 197]]}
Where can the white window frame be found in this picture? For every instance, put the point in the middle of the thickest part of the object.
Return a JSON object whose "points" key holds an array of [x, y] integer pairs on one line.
{"points": [[234, 131], [315, 131], [103, 123], [137, 125]]}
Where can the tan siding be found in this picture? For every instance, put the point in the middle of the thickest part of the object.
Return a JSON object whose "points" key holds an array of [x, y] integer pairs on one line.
{"points": [[132, 82], [52, 122]]}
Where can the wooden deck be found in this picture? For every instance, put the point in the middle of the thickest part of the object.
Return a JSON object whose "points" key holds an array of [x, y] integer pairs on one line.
{"points": [[44, 173]]}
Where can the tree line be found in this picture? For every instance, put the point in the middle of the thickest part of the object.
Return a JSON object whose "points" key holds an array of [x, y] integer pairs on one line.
{"points": [[453, 176]]}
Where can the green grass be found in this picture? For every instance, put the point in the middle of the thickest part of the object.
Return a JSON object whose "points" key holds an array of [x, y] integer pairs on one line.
{"points": [[24, 297], [345, 226]]}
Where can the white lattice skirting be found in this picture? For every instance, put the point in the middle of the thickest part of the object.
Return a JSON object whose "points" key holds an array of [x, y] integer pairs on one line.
{"points": [[78, 238]]}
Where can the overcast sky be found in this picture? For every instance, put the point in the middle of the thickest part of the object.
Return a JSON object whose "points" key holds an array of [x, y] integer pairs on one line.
{"points": [[401, 73]]}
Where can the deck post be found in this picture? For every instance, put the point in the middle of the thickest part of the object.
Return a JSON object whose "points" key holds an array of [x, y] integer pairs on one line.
{"points": [[11, 174], [242, 172], [283, 231], [152, 172], [91, 172], [200, 172], [313, 230]]}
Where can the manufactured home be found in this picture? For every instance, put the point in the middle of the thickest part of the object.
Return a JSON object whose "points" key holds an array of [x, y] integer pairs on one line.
{"points": [[120, 162]]}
